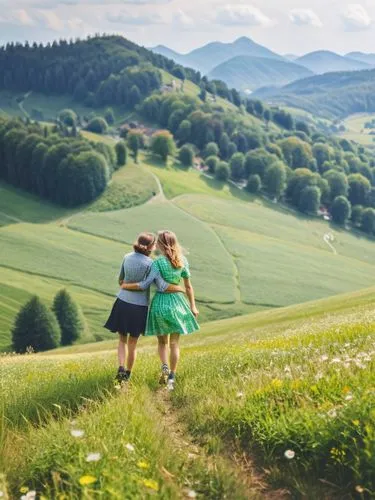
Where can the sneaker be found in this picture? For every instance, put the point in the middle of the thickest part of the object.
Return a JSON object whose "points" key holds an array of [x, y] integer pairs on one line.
{"points": [[164, 374], [122, 376], [171, 381]]}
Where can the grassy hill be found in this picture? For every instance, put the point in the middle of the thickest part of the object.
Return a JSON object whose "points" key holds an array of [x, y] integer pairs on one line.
{"points": [[287, 391], [332, 95], [246, 254], [250, 73], [355, 129]]}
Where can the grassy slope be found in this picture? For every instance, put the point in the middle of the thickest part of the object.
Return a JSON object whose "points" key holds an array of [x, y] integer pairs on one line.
{"points": [[273, 385], [238, 250], [355, 129]]}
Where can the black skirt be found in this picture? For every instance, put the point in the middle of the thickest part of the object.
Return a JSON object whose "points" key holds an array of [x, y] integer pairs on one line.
{"points": [[127, 318]]}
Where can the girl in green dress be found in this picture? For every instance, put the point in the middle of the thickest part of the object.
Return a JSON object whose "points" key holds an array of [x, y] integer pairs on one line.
{"points": [[170, 315]]}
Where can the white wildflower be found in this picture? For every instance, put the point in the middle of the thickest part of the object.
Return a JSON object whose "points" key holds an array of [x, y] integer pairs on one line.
{"points": [[335, 360], [239, 395], [289, 454], [319, 376], [349, 397], [287, 369], [77, 433], [191, 494], [332, 413], [324, 357], [1, 494], [129, 447], [30, 495], [93, 457]]}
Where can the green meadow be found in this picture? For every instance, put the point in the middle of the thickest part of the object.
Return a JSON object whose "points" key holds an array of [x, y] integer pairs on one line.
{"points": [[246, 254], [276, 404]]}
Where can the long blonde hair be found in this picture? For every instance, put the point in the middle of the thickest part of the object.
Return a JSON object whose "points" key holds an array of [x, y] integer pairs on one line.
{"points": [[170, 247]]}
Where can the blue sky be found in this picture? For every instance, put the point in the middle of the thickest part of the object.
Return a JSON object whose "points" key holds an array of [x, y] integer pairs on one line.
{"points": [[286, 26]]}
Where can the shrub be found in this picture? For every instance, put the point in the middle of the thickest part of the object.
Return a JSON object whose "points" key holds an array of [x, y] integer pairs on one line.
{"points": [[186, 156], [36, 327], [68, 117], [368, 221], [97, 125]]}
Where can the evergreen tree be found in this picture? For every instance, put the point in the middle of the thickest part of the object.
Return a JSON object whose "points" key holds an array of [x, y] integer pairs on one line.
{"points": [[121, 153], [69, 316], [36, 327]]}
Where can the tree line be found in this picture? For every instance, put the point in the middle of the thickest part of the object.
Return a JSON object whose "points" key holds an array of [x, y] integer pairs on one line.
{"points": [[48, 162], [293, 162], [37, 328], [96, 71]]}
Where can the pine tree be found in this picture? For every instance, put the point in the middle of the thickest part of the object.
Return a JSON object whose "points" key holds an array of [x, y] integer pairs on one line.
{"points": [[69, 316], [35, 326]]}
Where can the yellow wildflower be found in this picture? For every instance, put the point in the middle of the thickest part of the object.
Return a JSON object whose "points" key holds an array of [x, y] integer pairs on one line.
{"points": [[151, 484], [346, 389], [143, 465], [86, 480], [277, 383], [24, 489], [355, 422]]}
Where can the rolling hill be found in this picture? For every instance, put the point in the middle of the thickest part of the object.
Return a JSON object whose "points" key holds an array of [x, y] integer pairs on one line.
{"points": [[324, 61], [206, 58], [332, 95], [220, 226], [247, 72], [361, 56]]}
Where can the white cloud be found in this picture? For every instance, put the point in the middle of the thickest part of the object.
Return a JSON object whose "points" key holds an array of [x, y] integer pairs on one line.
{"points": [[356, 18], [50, 20], [180, 17], [305, 17], [18, 17], [242, 15], [125, 17]]}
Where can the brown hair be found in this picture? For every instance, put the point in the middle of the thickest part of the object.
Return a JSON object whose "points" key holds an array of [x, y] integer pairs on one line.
{"points": [[170, 247], [144, 243]]}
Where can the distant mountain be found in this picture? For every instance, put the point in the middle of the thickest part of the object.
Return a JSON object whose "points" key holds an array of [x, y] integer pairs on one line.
{"points": [[206, 58], [250, 73], [169, 53], [324, 61], [290, 57], [361, 56], [333, 95]]}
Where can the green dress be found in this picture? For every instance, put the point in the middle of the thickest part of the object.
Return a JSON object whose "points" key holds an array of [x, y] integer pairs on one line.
{"points": [[169, 312]]}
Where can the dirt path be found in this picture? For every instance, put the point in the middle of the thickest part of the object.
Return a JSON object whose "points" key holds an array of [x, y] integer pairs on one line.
{"points": [[160, 196], [250, 480]]}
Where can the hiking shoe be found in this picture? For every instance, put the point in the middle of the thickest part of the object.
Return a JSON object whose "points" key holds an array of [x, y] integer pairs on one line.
{"points": [[171, 381], [122, 376], [164, 374]]}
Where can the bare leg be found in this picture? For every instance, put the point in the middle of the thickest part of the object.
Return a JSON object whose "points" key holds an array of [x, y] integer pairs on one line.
{"points": [[122, 349], [132, 353], [175, 351], [163, 348]]}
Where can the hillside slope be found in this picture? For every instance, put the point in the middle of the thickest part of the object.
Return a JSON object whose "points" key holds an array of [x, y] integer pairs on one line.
{"points": [[331, 95], [219, 225], [246, 72]]}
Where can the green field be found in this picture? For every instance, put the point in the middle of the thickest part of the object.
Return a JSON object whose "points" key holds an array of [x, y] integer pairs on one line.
{"points": [[296, 380], [246, 254], [355, 129]]}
